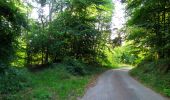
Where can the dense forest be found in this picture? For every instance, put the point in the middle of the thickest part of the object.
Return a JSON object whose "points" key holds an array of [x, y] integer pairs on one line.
{"points": [[148, 29], [73, 32], [73, 42]]}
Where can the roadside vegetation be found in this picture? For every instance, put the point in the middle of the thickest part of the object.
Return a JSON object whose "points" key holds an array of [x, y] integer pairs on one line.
{"points": [[149, 74], [58, 81], [56, 54], [148, 32]]}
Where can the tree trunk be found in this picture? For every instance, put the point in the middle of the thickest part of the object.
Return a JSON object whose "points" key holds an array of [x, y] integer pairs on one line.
{"points": [[46, 56]]}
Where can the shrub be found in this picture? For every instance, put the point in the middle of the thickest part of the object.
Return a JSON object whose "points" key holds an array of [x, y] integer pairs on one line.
{"points": [[155, 74], [75, 67], [11, 80]]}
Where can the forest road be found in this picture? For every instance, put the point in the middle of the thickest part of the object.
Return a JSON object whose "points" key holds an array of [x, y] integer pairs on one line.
{"points": [[118, 85]]}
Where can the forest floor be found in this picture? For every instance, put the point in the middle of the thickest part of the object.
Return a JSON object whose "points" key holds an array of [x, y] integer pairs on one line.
{"points": [[118, 85], [55, 83], [154, 75]]}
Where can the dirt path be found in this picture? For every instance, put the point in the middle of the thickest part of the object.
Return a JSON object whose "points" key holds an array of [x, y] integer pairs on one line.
{"points": [[118, 85]]}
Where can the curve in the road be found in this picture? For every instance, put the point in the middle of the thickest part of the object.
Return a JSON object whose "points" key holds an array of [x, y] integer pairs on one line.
{"points": [[118, 85]]}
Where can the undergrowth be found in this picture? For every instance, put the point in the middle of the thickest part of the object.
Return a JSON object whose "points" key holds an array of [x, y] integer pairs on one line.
{"points": [[64, 81], [155, 75]]}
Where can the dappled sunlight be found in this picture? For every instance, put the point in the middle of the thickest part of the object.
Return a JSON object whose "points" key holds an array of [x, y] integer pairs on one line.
{"points": [[56, 49]]}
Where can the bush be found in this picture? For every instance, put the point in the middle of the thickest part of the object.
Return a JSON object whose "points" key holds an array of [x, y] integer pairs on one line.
{"points": [[154, 74], [11, 80], [126, 54], [75, 66]]}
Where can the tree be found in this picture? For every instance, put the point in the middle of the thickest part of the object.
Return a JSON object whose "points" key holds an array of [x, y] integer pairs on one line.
{"points": [[12, 24], [149, 24], [77, 30], [12, 21]]}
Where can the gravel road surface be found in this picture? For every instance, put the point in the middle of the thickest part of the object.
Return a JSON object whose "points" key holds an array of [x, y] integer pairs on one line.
{"points": [[118, 85]]}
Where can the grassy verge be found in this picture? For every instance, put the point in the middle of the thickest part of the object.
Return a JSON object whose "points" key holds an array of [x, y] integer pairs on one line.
{"points": [[55, 83], [151, 75]]}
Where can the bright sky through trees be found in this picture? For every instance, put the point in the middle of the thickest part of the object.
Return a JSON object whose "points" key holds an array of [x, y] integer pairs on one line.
{"points": [[47, 45], [118, 18], [34, 12], [117, 21]]}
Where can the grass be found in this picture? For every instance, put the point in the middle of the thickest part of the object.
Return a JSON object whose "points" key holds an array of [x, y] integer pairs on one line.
{"points": [[55, 83], [151, 75]]}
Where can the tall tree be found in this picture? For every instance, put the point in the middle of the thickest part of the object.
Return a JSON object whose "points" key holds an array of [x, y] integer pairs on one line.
{"points": [[149, 22], [77, 28], [12, 21]]}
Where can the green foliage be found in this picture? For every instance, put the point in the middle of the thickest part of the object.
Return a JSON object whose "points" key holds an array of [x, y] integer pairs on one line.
{"points": [[73, 32], [55, 83], [75, 28], [128, 54], [107, 59], [150, 74], [148, 29], [11, 22], [12, 80], [74, 66], [149, 24]]}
